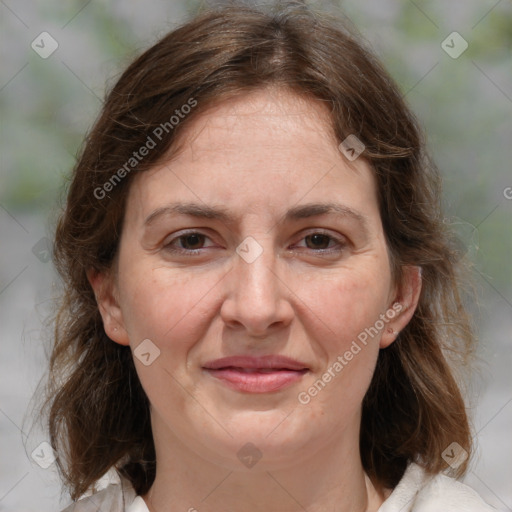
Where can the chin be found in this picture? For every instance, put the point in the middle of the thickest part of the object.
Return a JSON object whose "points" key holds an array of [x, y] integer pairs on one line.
{"points": [[270, 437]]}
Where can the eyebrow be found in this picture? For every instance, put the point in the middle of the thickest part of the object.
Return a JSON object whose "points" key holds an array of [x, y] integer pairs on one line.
{"points": [[218, 213]]}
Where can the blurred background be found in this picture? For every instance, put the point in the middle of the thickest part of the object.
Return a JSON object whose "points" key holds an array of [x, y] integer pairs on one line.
{"points": [[58, 58]]}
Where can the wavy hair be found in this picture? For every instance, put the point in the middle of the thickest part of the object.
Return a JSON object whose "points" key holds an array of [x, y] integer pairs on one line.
{"points": [[98, 414]]}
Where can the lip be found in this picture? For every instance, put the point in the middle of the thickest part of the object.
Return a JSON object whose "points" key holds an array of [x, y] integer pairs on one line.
{"points": [[262, 374]]}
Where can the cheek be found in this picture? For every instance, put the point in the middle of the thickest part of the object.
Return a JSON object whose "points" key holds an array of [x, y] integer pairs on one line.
{"points": [[171, 309], [343, 314], [168, 306], [348, 302]]}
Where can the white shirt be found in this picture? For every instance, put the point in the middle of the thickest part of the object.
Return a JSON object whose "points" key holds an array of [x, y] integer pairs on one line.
{"points": [[416, 492]]}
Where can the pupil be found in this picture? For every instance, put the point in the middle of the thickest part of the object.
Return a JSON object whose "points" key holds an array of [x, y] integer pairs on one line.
{"points": [[191, 240], [319, 240]]}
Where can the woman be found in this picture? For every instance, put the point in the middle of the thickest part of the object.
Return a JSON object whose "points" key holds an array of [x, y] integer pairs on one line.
{"points": [[260, 291]]}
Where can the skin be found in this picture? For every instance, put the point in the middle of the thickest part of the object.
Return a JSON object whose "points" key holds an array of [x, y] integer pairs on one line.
{"points": [[257, 156]]}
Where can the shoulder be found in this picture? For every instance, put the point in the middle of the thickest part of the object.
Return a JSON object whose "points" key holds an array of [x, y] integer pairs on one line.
{"points": [[416, 492], [419, 492], [113, 493]]}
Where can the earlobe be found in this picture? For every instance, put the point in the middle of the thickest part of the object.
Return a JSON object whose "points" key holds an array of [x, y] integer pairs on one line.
{"points": [[407, 298], [111, 313]]}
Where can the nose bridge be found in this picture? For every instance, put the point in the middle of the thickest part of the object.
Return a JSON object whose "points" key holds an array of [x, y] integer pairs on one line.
{"points": [[256, 269], [257, 299]]}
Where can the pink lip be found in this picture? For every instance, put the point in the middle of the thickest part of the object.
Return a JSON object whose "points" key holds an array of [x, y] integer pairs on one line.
{"points": [[256, 374]]}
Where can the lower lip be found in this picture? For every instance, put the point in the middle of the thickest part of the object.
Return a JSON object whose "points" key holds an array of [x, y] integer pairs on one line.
{"points": [[256, 382]]}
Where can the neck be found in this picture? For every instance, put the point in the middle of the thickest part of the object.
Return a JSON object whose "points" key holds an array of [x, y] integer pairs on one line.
{"points": [[332, 479]]}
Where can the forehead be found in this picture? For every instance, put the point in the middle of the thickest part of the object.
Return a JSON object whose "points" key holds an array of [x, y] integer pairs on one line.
{"points": [[274, 119], [257, 152]]}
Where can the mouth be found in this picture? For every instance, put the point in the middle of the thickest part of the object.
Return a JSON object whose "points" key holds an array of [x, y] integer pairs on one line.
{"points": [[256, 374]]}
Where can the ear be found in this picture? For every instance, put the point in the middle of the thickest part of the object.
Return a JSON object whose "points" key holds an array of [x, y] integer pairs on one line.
{"points": [[108, 305], [404, 304]]}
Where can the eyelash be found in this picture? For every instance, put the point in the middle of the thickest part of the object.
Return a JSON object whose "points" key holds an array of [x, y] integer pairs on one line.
{"points": [[168, 246]]}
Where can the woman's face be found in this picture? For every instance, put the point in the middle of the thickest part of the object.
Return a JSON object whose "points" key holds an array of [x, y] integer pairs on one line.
{"points": [[260, 239]]}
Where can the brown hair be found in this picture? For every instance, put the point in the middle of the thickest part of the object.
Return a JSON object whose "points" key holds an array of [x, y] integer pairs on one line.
{"points": [[98, 412]]}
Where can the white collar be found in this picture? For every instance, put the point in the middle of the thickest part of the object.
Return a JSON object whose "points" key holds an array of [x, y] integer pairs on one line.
{"points": [[416, 492]]}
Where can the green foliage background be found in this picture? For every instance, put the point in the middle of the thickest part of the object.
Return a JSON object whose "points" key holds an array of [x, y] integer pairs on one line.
{"points": [[50, 104]]}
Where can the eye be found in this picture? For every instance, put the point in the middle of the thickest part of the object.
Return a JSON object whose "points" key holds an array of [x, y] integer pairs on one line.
{"points": [[323, 242], [190, 242], [193, 242]]}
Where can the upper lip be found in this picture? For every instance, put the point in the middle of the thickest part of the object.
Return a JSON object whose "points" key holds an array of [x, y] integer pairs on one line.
{"points": [[262, 362]]}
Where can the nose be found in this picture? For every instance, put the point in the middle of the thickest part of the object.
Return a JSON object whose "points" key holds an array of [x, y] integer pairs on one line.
{"points": [[259, 299]]}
